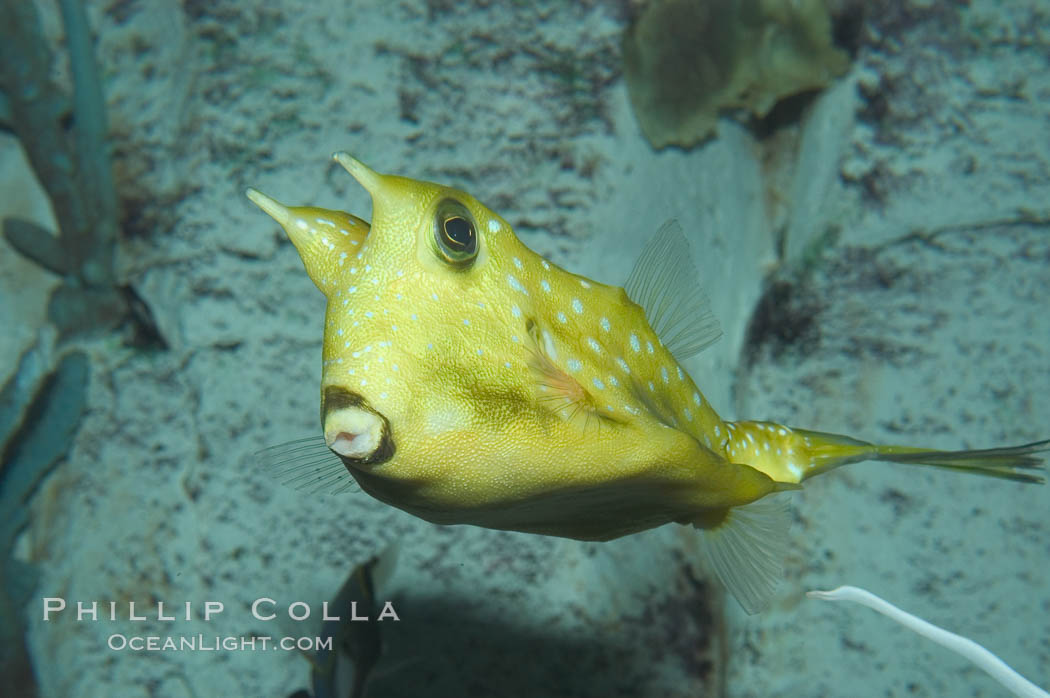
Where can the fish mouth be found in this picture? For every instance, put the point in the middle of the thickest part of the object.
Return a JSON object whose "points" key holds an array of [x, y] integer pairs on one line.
{"points": [[355, 431]]}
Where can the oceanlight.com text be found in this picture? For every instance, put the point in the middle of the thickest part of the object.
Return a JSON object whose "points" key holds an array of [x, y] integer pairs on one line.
{"points": [[215, 643]]}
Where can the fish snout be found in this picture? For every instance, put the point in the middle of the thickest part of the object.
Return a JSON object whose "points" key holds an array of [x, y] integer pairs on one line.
{"points": [[354, 430]]}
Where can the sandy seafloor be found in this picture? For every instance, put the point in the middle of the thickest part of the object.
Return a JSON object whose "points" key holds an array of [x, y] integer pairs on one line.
{"points": [[925, 321]]}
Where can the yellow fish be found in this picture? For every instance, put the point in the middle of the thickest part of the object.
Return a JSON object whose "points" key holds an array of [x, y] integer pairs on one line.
{"points": [[466, 379]]}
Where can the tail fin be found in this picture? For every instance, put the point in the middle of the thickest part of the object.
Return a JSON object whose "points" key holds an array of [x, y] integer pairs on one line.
{"points": [[1009, 463], [1015, 463]]}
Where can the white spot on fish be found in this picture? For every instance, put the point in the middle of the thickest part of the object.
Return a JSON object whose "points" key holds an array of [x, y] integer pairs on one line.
{"points": [[613, 381], [663, 373], [598, 384], [630, 409], [604, 322], [561, 317], [352, 289], [494, 225], [583, 282], [649, 346], [515, 311], [574, 365], [635, 344], [651, 386], [515, 284], [517, 263], [301, 224], [545, 265], [593, 344], [466, 321], [681, 376], [577, 306], [545, 285], [623, 365], [698, 401]]}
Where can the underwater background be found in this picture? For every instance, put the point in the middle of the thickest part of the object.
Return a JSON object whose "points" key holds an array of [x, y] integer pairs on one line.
{"points": [[873, 232]]}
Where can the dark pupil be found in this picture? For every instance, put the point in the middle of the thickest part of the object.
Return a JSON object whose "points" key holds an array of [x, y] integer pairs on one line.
{"points": [[459, 233]]}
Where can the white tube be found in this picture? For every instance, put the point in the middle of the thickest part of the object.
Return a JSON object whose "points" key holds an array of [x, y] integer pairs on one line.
{"points": [[997, 668]]}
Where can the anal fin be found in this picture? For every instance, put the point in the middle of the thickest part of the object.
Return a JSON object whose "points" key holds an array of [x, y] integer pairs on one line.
{"points": [[746, 548]]}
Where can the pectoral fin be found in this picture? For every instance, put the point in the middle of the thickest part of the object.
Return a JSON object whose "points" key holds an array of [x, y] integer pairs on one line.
{"points": [[307, 464]]}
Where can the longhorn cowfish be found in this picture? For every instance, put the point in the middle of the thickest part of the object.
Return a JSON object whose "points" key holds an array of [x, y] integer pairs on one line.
{"points": [[466, 379]]}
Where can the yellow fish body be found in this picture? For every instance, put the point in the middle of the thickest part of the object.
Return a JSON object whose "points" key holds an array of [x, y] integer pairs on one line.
{"points": [[466, 379]]}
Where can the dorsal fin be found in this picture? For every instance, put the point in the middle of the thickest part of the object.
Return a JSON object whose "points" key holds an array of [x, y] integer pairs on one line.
{"points": [[665, 283]]}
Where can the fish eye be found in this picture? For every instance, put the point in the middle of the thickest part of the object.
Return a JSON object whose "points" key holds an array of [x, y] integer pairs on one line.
{"points": [[455, 233]]}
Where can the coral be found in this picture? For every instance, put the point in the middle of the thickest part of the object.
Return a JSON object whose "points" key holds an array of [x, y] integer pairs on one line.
{"points": [[687, 60]]}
